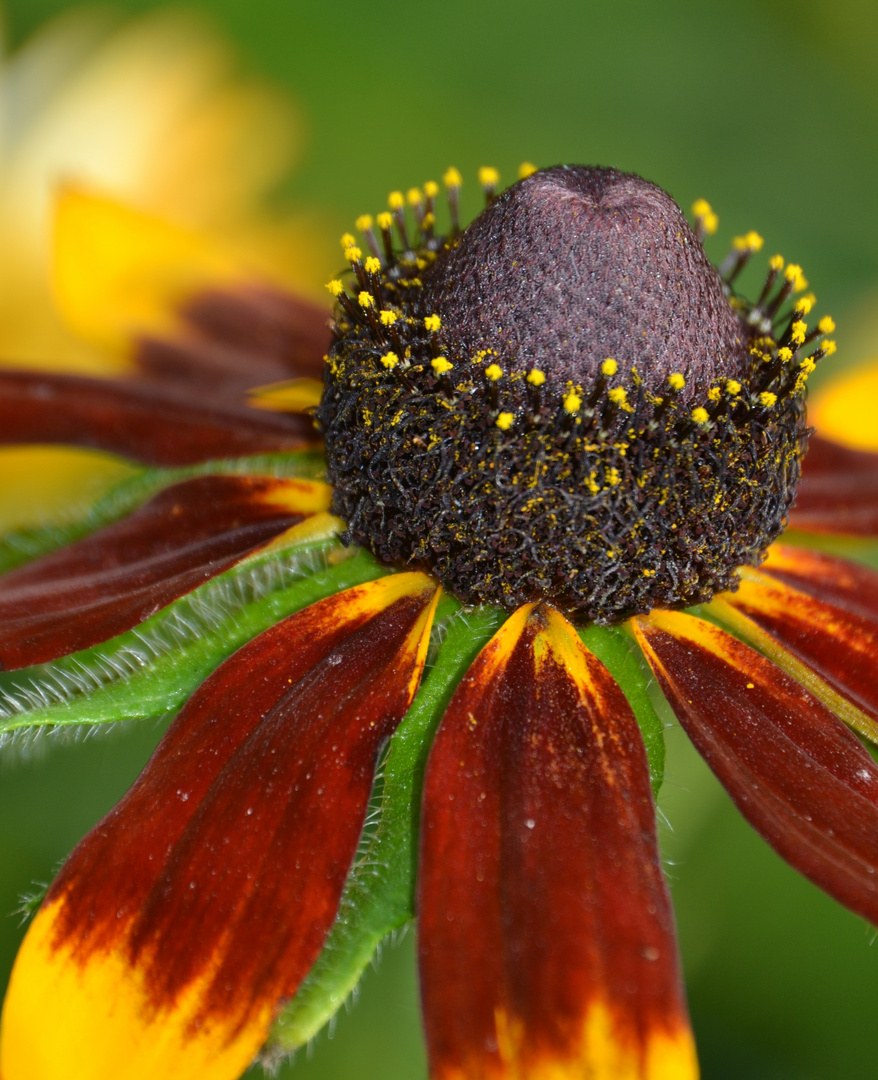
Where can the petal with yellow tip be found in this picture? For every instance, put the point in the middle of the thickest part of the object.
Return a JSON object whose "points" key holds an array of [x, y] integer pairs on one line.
{"points": [[178, 927], [546, 935]]}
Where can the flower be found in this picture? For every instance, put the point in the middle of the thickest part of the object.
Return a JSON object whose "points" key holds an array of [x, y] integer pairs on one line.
{"points": [[493, 437]]}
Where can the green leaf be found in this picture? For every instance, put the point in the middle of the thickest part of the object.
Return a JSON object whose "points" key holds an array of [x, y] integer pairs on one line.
{"points": [[379, 894]]}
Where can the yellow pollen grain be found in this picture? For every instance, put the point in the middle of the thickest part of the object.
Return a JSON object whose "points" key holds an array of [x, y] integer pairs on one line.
{"points": [[714, 393], [804, 305], [385, 221], [676, 381], [826, 325], [390, 360], [807, 365], [613, 477], [373, 265], [489, 177], [733, 387], [526, 169], [335, 287], [428, 220], [785, 355], [776, 263], [395, 200], [347, 240], [431, 189], [700, 415], [609, 367], [505, 420], [795, 277], [750, 242], [365, 300], [493, 372], [829, 348], [441, 364], [798, 332], [364, 222], [536, 377], [432, 323], [572, 402], [767, 398], [388, 318], [701, 208], [451, 178], [618, 395], [414, 196], [353, 254]]}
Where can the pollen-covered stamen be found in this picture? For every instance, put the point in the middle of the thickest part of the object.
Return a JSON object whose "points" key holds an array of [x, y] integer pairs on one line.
{"points": [[364, 225], [453, 181], [609, 450], [489, 178], [743, 249], [396, 202], [706, 221]]}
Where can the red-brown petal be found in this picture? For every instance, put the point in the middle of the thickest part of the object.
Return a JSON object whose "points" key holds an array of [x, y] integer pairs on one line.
{"points": [[207, 893], [796, 773], [546, 935], [842, 647], [117, 577], [838, 492], [826, 577], [148, 423]]}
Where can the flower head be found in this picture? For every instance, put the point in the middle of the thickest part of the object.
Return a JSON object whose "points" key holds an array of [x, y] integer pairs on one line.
{"points": [[562, 447]]}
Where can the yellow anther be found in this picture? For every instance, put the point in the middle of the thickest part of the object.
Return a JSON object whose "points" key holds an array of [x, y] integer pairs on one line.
{"points": [[489, 176], [365, 300], [347, 240], [353, 253], [807, 366], [428, 220], [795, 277], [572, 402], [390, 360], [713, 393], [776, 263], [750, 242], [828, 348], [414, 196], [431, 189], [619, 396], [797, 335], [804, 305], [432, 323], [451, 178], [699, 415], [767, 398], [388, 318], [785, 355], [703, 212], [373, 265], [505, 420], [493, 372], [676, 381], [441, 364], [609, 367], [826, 324], [536, 377], [335, 287], [385, 221], [701, 208], [613, 477], [395, 200], [364, 222], [733, 387], [526, 169]]}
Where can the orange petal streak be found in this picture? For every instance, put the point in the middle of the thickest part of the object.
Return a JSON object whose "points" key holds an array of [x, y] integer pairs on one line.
{"points": [[826, 577], [796, 773], [546, 935], [195, 908]]}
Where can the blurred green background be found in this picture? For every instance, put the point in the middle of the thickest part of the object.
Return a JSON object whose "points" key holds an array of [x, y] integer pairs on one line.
{"points": [[769, 108]]}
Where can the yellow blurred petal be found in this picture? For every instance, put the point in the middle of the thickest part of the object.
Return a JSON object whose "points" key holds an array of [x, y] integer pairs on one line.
{"points": [[292, 395], [92, 1018], [845, 409], [118, 270]]}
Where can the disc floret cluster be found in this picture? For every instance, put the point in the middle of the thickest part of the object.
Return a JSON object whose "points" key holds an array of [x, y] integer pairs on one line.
{"points": [[565, 401]]}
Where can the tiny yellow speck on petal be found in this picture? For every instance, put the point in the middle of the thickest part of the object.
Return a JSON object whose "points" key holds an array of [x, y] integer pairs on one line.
{"points": [[609, 367], [572, 402], [451, 178], [536, 377], [826, 325], [676, 381], [441, 364], [385, 221], [335, 287], [395, 200], [489, 177], [432, 323], [431, 189], [390, 360], [767, 398], [373, 265], [364, 222], [700, 415], [388, 318], [526, 169], [505, 420], [365, 300], [493, 372]]}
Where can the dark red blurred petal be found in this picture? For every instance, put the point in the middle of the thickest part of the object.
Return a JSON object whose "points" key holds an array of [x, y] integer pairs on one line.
{"points": [[796, 773], [826, 577], [842, 647], [238, 338], [838, 492], [148, 423], [117, 577], [546, 935], [223, 866]]}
